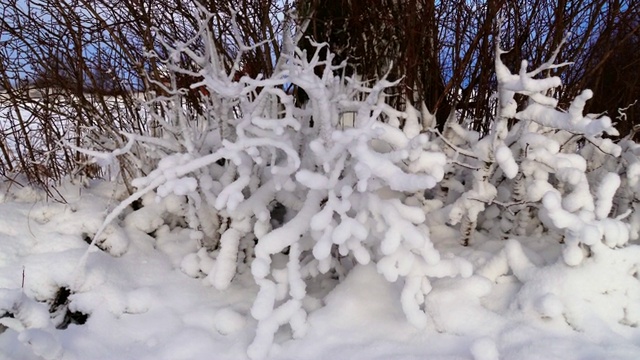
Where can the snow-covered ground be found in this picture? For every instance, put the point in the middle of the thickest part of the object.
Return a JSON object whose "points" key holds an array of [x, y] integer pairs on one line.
{"points": [[140, 304]]}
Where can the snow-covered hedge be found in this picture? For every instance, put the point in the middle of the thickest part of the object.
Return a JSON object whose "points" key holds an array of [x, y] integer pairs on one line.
{"points": [[284, 190]]}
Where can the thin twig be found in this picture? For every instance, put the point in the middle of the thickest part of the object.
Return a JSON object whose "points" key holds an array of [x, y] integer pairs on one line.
{"points": [[470, 167], [455, 148]]}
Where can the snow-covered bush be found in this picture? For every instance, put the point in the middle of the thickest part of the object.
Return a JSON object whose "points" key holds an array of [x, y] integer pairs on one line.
{"points": [[258, 182], [551, 174], [350, 196], [535, 173]]}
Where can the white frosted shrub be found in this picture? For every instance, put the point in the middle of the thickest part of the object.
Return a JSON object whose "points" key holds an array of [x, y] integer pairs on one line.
{"points": [[357, 195]]}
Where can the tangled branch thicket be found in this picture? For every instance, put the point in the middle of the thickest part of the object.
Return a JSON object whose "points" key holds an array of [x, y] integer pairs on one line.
{"points": [[77, 71]]}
